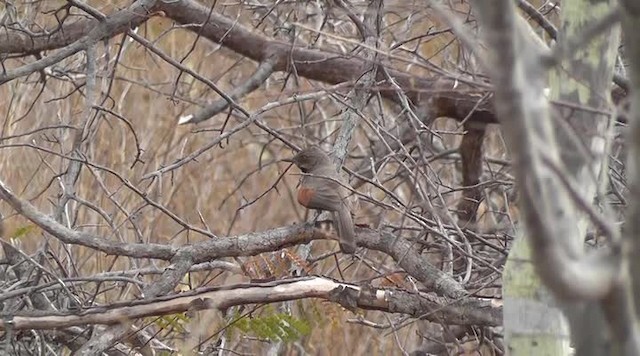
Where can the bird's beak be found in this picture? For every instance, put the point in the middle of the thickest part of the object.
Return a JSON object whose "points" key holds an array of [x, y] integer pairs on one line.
{"points": [[290, 159]]}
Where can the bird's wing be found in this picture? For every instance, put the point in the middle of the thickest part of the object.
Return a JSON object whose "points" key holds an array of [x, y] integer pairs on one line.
{"points": [[327, 193]]}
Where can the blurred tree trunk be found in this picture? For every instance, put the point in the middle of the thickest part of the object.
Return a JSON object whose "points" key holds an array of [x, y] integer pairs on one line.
{"points": [[630, 25], [585, 137], [534, 323]]}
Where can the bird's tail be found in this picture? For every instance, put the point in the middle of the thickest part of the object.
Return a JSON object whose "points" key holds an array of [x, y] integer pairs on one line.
{"points": [[346, 232]]}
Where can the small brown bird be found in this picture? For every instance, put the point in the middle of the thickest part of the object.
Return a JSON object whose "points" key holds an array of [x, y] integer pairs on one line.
{"points": [[320, 190]]}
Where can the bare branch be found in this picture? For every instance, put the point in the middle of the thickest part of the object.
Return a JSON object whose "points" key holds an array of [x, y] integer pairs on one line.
{"points": [[422, 305], [116, 23]]}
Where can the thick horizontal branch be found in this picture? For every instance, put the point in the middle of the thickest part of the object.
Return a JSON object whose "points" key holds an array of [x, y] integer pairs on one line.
{"points": [[245, 245], [468, 311], [18, 41], [112, 25], [442, 97]]}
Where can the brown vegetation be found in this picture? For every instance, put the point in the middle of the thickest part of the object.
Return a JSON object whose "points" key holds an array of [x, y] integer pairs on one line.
{"points": [[146, 206]]}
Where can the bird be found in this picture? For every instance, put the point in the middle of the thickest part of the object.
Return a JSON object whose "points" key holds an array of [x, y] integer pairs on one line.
{"points": [[321, 188]]}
